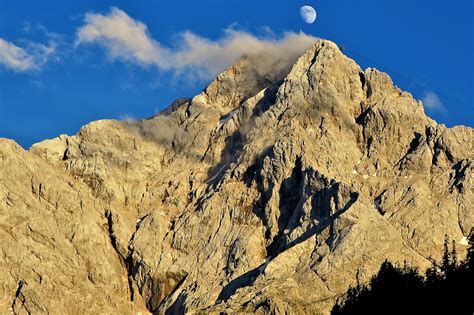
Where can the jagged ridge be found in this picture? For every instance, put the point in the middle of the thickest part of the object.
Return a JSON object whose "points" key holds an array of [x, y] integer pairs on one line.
{"points": [[263, 193]]}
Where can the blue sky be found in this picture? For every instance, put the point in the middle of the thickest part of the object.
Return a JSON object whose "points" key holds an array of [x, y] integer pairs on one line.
{"points": [[55, 78]]}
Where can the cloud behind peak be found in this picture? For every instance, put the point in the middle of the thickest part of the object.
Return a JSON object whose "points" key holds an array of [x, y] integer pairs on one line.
{"points": [[126, 39]]}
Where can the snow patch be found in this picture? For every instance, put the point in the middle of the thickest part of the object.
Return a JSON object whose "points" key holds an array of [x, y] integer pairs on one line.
{"points": [[216, 175], [464, 241], [365, 176], [354, 172], [264, 265], [227, 118]]}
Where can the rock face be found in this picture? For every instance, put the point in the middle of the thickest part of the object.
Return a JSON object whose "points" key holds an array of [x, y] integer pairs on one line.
{"points": [[267, 194], [56, 252]]}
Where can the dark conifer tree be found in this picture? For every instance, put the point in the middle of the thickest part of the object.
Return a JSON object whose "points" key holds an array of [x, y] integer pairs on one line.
{"points": [[402, 290], [445, 264]]}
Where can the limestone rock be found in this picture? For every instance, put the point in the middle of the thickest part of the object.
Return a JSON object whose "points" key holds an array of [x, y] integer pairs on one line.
{"points": [[56, 253], [264, 193]]}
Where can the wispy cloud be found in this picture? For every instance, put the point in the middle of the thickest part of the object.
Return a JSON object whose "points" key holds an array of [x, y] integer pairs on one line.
{"points": [[129, 40], [14, 57], [28, 58], [432, 102]]}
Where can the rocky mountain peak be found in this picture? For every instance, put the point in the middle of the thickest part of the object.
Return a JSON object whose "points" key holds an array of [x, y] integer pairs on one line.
{"points": [[297, 175]]}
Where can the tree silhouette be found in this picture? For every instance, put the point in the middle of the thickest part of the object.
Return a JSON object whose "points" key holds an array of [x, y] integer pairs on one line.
{"points": [[444, 289], [446, 264], [454, 257]]}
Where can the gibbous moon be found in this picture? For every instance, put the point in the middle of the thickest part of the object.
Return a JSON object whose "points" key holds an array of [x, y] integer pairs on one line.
{"points": [[308, 14]]}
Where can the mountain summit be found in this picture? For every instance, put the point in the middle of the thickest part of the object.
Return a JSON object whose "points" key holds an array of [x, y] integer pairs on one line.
{"points": [[272, 191]]}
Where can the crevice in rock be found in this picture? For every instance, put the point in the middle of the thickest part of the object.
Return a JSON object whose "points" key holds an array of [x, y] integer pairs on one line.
{"points": [[460, 170], [264, 306], [378, 203], [369, 91], [341, 206], [322, 129], [245, 280], [188, 111], [235, 142], [19, 297], [290, 192], [126, 262], [290, 195], [65, 154], [313, 60], [252, 176], [440, 148], [178, 306], [362, 79], [362, 120], [179, 301], [113, 239], [414, 144], [160, 288], [370, 140]]}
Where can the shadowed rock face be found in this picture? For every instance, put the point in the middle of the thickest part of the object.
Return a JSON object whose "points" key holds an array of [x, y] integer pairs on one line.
{"points": [[261, 194]]}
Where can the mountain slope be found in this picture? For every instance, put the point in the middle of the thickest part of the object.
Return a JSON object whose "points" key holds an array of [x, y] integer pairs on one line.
{"points": [[266, 192], [56, 253]]}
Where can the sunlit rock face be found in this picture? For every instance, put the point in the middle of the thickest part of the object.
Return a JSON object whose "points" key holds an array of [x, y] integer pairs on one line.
{"points": [[271, 191]]}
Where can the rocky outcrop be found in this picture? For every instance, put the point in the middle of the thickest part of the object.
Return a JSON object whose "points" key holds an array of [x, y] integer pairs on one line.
{"points": [[261, 194], [56, 251]]}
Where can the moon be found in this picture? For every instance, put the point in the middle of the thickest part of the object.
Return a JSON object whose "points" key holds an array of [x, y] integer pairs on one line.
{"points": [[308, 14]]}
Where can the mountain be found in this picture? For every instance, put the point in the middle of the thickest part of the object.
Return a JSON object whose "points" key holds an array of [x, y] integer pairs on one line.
{"points": [[272, 191]]}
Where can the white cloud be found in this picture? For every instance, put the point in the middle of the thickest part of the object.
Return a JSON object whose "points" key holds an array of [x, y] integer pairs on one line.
{"points": [[432, 102], [127, 39], [122, 36], [14, 57], [31, 57]]}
